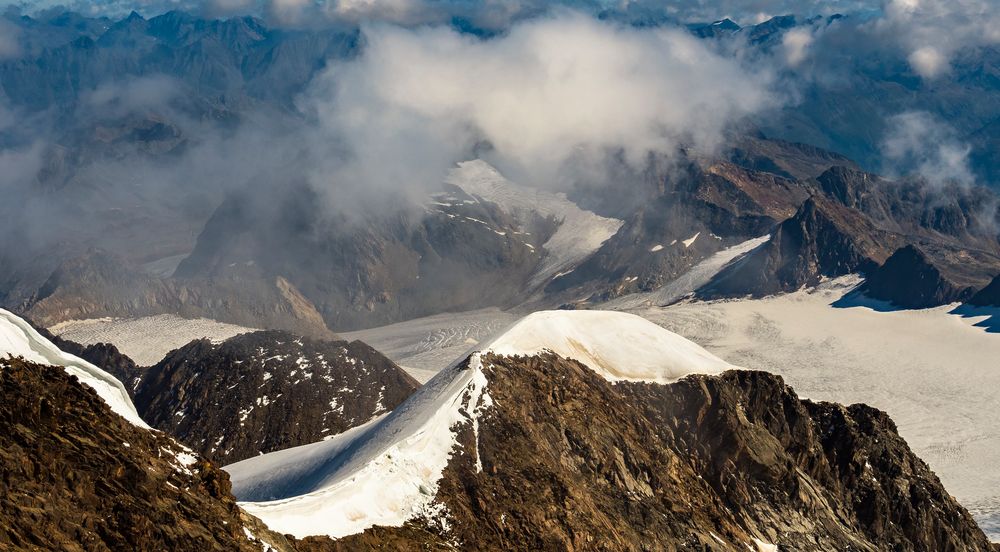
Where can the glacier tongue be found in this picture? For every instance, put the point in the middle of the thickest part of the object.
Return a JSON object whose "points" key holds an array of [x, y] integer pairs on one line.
{"points": [[18, 338]]}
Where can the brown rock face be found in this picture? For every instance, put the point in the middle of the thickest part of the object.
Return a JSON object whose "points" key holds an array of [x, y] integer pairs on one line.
{"points": [[76, 476], [909, 279], [266, 391], [824, 238], [573, 462]]}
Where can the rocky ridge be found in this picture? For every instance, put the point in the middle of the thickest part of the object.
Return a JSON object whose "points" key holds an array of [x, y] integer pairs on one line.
{"points": [[77, 476], [572, 461]]}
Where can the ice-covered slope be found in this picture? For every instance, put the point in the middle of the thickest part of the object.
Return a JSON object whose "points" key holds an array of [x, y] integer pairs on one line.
{"points": [[19, 339], [580, 233], [618, 346], [387, 471]]}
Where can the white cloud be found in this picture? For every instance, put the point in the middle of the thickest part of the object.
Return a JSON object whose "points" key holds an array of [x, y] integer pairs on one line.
{"points": [[547, 93], [918, 143], [928, 61], [796, 44], [932, 31]]}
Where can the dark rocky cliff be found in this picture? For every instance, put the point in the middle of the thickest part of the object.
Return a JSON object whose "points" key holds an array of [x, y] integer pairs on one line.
{"points": [[910, 279], [266, 391]]}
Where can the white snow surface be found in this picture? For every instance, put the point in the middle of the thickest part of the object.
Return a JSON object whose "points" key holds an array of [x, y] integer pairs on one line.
{"points": [[617, 345], [387, 471], [580, 233], [147, 339], [425, 346], [19, 339]]}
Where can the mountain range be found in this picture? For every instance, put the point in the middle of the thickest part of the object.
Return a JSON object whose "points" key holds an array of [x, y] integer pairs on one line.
{"points": [[323, 361], [223, 251]]}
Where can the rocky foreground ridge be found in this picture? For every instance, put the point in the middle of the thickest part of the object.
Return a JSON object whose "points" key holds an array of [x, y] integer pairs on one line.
{"points": [[561, 459], [571, 461]]}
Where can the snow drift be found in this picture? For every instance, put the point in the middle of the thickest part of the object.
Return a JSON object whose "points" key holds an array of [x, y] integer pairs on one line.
{"points": [[387, 471], [19, 339]]}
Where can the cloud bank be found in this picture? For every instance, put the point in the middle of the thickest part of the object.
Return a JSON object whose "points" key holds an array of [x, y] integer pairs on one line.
{"points": [[551, 92], [919, 143]]}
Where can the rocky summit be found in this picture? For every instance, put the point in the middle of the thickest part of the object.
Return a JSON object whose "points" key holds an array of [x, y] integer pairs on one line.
{"points": [[268, 390]]}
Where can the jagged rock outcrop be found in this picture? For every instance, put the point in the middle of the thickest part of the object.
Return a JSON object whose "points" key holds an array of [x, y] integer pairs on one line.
{"points": [[685, 219], [571, 461], [853, 223], [910, 279], [77, 476], [989, 296], [824, 238], [266, 391]]}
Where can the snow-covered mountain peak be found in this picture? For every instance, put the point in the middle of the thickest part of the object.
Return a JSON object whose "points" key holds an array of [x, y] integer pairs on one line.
{"points": [[616, 345], [387, 471], [19, 339]]}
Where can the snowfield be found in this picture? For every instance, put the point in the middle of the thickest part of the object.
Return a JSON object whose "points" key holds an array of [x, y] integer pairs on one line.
{"points": [[387, 471], [580, 233], [19, 339], [424, 346], [687, 283], [148, 339]]}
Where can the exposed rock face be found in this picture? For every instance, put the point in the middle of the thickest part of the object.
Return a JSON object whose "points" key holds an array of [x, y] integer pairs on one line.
{"points": [[99, 283], [266, 391], [684, 220], [76, 476], [910, 279], [855, 220], [402, 264], [571, 461], [989, 296], [822, 239]]}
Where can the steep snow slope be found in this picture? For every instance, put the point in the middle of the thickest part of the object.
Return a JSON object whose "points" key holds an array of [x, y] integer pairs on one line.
{"points": [[18, 338], [689, 282], [387, 471], [147, 339], [579, 234]]}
